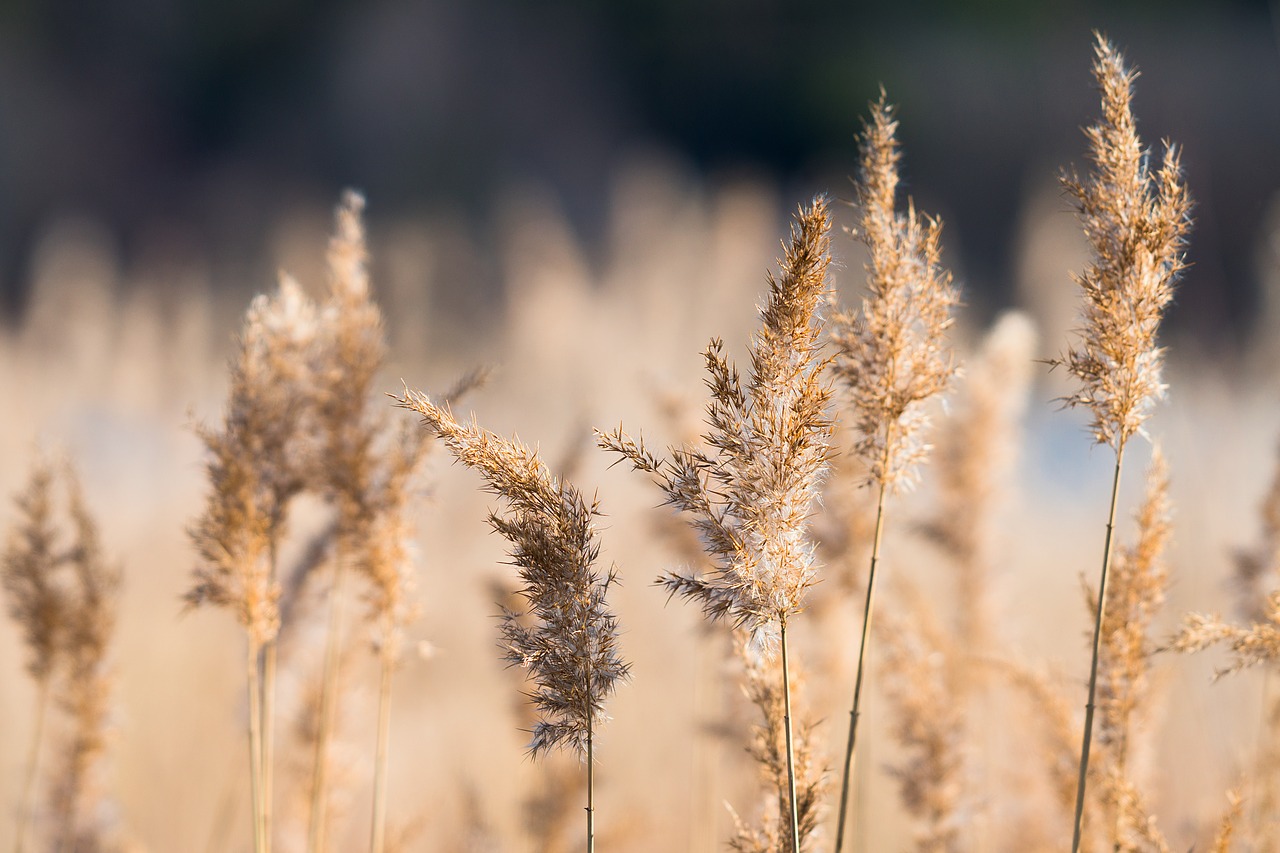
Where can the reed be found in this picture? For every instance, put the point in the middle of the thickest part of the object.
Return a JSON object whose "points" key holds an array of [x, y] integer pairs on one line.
{"points": [[893, 357], [1136, 224], [571, 648], [750, 493]]}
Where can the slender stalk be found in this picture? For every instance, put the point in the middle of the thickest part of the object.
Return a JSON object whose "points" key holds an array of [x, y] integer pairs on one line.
{"points": [[1097, 642], [791, 751], [591, 779], [33, 760], [255, 744], [857, 684], [269, 654], [332, 651], [377, 840]]}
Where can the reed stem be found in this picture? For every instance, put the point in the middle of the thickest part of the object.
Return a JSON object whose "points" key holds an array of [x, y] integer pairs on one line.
{"points": [[591, 781], [377, 840], [791, 752], [253, 676], [854, 714], [328, 690], [33, 759], [1097, 643], [269, 654]]}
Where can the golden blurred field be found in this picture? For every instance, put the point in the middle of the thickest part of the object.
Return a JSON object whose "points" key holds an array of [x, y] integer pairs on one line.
{"points": [[113, 366]]}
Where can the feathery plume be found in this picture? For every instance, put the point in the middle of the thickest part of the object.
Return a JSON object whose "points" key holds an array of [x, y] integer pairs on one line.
{"points": [[750, 495], [893, 353], [1136, 224]]}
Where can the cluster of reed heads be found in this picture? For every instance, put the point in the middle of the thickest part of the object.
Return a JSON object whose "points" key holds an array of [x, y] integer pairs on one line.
{"points": [[830, 395]]}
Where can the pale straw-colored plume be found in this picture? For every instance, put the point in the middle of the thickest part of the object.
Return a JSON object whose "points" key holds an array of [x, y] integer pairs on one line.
{"points": [[571, 647], [750, 493], [893, 355], [1136, 223]]}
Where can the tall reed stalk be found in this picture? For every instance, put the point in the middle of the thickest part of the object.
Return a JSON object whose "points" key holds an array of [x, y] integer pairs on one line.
{"points": [[256, 464], [893, 358], [749, 495], [1136, 223]]}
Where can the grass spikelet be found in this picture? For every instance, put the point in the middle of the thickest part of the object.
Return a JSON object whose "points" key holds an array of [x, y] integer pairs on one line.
{"points": [[571, 648], [1136, 224], [893, 356], [751, 493]]}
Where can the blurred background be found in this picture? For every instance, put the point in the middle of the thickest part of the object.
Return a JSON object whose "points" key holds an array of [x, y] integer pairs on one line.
{"points": [[190, 131], [581, 194]]}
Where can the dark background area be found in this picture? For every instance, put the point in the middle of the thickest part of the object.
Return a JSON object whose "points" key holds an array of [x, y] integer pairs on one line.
{"points": [[200, 123]]}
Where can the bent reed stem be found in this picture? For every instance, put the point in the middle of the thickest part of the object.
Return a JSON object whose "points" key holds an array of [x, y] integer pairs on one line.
{"points": [[791, 752], [1087, 739], [850, 750]]}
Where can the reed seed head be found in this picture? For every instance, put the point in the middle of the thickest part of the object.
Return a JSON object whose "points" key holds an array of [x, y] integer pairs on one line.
{"points": [[571, 646], [1136, 223], [893, 353], [751, 491]]}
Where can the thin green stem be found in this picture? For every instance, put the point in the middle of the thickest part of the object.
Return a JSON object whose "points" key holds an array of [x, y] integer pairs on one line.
{"points": [[791, 752], [377, 840], [33, 759], [854, 714], [1097, 645], [328, 690]]}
